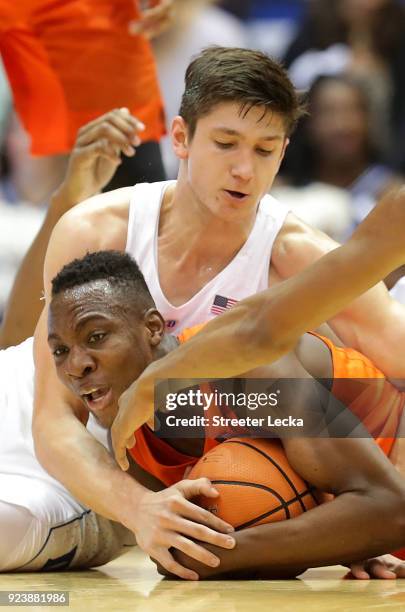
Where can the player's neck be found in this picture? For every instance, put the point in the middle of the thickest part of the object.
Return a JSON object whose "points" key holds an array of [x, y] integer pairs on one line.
{"points": [[192, 230]]}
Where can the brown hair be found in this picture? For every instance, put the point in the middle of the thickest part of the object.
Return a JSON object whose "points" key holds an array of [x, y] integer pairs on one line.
{"points": [[231, 74]]}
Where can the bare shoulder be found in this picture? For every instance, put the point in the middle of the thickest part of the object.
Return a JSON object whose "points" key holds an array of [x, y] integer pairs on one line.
{"points": [[104, 211], [96, 224], [297, 246]]}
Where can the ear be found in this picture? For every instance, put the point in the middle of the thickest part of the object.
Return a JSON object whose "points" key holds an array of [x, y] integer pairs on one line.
{"points": [[155, 326], [179, 135]]}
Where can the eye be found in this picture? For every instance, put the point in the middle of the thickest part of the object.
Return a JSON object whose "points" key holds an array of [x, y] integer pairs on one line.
{"points": [[264, 152], [223, 145], [96, 337], [59, 351]]}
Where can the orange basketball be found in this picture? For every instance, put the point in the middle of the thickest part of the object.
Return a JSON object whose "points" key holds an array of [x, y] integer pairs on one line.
{"points": [[256, 484]]}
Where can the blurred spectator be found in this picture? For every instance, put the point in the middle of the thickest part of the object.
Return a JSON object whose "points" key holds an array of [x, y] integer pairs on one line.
{"points": [[365, 38], [322, 206], [264, 9], [239, 8], [272, 24], [198, 24], [333, 145], [92, 163], [69, 61]]}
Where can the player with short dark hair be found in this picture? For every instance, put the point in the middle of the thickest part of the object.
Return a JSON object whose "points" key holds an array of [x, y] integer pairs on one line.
{"points": [[102, 336], [212, 237], [103, 331]]}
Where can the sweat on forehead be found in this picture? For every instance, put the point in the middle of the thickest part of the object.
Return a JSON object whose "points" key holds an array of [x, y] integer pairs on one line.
{"points": [[116, 269], [100, 294]]}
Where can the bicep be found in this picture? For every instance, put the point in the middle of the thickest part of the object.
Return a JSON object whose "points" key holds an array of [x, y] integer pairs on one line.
{"points": [[363, 322], [71, 238], [95, 224]]}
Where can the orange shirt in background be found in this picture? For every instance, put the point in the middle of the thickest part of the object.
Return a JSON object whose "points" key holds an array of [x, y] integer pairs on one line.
{"points": [[69, 61]]}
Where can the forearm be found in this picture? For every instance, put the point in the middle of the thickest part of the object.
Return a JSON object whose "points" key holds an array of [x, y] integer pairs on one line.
{"points": [[351, 527], [72, 456], [263, 327]]}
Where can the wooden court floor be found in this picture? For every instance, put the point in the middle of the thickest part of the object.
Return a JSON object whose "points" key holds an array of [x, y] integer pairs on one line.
{"points": [[132, 583]]}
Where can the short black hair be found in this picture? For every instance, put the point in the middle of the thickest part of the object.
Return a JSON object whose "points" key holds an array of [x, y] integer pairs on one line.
{"points": [[118, 268]]}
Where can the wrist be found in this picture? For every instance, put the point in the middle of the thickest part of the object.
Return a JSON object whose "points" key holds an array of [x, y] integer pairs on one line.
{"points": [[62, 200], [68, 195], [129, 502]]}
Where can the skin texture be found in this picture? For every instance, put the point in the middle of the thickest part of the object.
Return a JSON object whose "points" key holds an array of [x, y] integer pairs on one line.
{"points": [[103, 342], [191, 251], [263, 327], [99, 345], [118, 347]]}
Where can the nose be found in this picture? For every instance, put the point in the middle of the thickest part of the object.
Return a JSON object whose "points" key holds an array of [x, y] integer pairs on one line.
{"points": [[243, 166], [79, 363]]}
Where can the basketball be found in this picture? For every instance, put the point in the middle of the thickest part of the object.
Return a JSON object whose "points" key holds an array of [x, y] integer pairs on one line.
{"points": [[255, 482]]}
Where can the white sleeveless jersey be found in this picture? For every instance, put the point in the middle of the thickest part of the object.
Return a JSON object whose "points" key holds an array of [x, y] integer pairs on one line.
{"points": [[17, 455], [61, 532], [245, 275]]}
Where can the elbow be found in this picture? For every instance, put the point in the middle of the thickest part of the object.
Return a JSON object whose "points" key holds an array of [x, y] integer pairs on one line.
{"points": [[263, 339], [389, 503]]}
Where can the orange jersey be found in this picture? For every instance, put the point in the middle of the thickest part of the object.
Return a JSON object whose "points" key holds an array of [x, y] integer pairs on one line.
{"points": [[378, 406], [155, 455], [69, 61]]}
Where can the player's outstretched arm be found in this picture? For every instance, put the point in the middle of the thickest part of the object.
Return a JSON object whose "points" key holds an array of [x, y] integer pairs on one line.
{"points": [[160, 521], [265, 326], [365, 519], [92, 163]]}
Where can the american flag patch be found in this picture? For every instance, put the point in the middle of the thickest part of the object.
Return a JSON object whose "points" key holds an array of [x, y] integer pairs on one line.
{"points": [[221, 304], [170, 323]]}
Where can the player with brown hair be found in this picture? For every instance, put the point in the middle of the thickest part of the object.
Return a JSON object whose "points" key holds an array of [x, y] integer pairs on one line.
{"points": [[103, 331], [209, 239]]}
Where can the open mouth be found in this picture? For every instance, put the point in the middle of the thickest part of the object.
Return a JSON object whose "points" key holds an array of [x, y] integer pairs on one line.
{"points": [[238, 195], [97, 398]]}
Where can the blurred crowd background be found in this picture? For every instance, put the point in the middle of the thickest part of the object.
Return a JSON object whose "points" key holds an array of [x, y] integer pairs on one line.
{"points": [[346, 56]]}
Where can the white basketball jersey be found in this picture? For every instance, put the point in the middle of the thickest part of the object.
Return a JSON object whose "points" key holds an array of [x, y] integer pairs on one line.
{"points": [[62, 533], [17, 455], [245, 275]]}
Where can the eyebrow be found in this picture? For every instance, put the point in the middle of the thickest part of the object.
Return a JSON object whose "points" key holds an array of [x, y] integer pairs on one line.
{"points": [[80, 324], [53, 337], [231, 132]]}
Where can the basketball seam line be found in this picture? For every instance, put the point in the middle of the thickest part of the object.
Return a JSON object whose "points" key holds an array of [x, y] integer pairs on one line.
{"points": [[283, 503], [274, 463]]}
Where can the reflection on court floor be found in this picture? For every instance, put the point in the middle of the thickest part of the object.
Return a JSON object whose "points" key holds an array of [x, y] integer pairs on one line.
{"points": [[132, 583]]}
